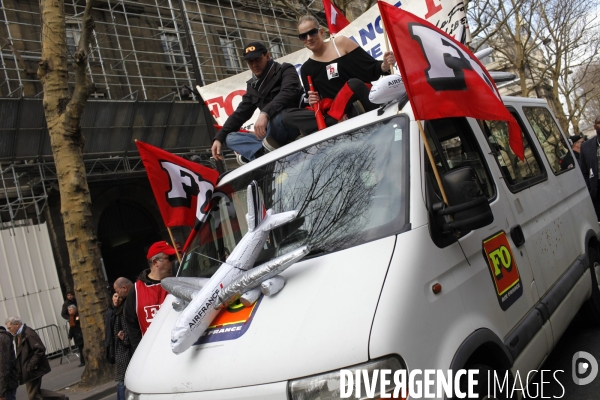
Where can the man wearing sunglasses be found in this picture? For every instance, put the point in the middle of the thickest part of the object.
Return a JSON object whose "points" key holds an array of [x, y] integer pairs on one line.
{"points": [[146, 296], [273, 88], [341, 72]]}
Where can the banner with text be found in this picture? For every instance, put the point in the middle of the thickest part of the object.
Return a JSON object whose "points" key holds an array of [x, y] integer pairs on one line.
{"points": [[223, 97]]}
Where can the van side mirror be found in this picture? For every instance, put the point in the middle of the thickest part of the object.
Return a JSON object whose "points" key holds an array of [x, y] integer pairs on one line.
{"points": [[468, 206]]}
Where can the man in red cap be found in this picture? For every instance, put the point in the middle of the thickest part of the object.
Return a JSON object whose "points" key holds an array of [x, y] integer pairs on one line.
{"points": [[146, 295]]}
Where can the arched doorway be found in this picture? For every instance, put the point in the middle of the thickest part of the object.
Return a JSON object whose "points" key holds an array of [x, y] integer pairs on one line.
{"points": [[126, 229]]}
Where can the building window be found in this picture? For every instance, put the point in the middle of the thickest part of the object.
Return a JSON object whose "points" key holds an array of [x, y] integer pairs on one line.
{"points": [[277, 49], [172, 48], [73, 35], [232, 61]]}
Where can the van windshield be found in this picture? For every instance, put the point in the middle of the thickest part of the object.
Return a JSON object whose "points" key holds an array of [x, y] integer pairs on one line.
{"points": [[349, 189]]}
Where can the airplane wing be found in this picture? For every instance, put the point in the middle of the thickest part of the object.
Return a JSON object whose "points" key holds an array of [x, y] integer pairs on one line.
{"points": [[184, 288], [255, 276]]}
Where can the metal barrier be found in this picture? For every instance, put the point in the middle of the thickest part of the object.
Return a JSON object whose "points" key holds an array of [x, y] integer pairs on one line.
{"points": [[71, 345], [53, 341]]}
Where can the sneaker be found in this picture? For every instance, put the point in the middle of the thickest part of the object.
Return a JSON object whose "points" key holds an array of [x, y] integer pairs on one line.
{"points": [[270, 144], [241, 160]]}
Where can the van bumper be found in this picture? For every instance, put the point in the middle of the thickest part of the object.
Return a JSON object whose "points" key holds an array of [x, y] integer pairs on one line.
{"points": [[271, 391]]}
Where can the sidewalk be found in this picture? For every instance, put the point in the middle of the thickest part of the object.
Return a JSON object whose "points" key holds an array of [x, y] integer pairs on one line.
{"points": [[64, 378]]}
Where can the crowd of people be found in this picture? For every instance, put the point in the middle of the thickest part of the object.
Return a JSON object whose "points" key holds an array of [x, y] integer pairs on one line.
{"points": [[23, 357]]}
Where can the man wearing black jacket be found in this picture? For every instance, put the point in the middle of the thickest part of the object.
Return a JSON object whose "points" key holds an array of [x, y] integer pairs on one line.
{"points": [[588, 161], [32, 363], [273, 88], [69, 301], [8, 366]]}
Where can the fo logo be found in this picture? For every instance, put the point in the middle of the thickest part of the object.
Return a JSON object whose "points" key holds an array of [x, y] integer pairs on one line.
{"points": [[249, 49], [502, 260], [503, 269]]}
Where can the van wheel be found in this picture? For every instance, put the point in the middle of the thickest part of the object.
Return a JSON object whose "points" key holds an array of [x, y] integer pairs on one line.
{"points": [[591, 308], [484, 381]]}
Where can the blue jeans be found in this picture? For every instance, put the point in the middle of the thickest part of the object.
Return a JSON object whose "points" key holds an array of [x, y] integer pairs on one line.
{"points": [[247, 144], [10, 394], [120, 390]]}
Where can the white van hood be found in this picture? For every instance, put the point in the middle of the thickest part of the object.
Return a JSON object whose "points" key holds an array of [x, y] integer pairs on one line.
{"points": [[320, 321]]}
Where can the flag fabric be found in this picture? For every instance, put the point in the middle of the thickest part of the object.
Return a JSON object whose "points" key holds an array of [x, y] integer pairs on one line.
{"points": [[335, 19], [182, 188], [442, 77]]}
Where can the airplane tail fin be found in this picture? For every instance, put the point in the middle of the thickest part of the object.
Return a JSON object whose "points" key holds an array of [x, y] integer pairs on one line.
{"points": [[256, 208]]}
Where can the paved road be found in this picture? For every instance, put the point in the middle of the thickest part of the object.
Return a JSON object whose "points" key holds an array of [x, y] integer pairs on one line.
{"points": [[578, 337]]}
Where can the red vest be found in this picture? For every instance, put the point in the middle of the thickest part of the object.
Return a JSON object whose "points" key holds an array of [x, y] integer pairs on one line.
{"points": [[148, 299]]}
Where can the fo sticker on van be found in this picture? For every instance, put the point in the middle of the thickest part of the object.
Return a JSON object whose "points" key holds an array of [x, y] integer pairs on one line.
{"points": [[230, 324], [503, 268]]}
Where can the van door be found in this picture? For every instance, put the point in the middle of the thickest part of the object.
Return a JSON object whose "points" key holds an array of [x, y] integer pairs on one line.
{"points": [[553, 241], [498, 286], [544, 195]]}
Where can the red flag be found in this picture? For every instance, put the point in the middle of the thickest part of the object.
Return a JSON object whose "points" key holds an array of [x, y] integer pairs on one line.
{"points": [[177, 185], [335, 19], [442, 77]]}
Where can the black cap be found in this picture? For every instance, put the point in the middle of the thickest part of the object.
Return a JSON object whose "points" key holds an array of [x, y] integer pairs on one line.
{"points": [[254, 50]]}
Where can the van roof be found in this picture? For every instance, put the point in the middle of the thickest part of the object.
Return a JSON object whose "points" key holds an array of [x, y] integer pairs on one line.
{"points": [[522, 100], [340, 128]]}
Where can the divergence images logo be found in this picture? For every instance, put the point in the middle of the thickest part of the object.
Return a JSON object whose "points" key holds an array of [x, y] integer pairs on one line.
{"points": [[584, 364]]}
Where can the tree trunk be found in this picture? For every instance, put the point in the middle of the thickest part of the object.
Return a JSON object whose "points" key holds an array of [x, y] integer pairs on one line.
{"points": [[63, 113]]}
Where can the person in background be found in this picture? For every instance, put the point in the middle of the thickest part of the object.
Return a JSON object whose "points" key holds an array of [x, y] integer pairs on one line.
{"points": [[32, 363], [146, 295], [588, 161], [69, 301], [122, 286], [75, 332], [341, 72], [109, 316], [273, 88], [577, 141], [122, 351], [8, 366]]}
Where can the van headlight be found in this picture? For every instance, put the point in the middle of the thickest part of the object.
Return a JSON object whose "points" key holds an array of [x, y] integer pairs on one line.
{"points": [[327, 386], [129, 395]]}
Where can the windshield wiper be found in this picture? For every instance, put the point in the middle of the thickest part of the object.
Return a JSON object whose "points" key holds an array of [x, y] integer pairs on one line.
{"points": [[314, 252]]}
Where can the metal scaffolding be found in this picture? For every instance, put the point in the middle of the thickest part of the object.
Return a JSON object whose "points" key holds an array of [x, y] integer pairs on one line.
{"points": [[22, 194], [139, 48]]}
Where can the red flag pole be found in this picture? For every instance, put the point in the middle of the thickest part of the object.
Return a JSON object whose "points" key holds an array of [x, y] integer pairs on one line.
{"points": [[432, 162], [387, 48], [320, 120], [174, 244]]}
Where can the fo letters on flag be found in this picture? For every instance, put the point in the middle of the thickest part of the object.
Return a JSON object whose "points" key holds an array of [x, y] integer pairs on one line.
{"points": [[442, 77], [446, 71], [182, 188]]}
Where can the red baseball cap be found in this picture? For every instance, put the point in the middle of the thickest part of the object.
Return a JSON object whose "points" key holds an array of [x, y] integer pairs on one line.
{"points": [[160, 247]]}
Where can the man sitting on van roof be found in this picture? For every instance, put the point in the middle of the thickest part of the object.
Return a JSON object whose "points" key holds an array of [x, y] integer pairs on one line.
{"points": [[273, 88]]}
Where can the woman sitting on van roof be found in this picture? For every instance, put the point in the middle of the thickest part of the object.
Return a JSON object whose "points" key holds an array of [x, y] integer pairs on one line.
{"points": [[341, 72]]}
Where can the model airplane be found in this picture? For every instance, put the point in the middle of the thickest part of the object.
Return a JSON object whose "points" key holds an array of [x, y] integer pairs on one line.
{"points": [[200, 299]]}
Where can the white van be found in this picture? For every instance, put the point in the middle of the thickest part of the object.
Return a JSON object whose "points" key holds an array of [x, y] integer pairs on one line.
{"points": [[391, 281]]}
